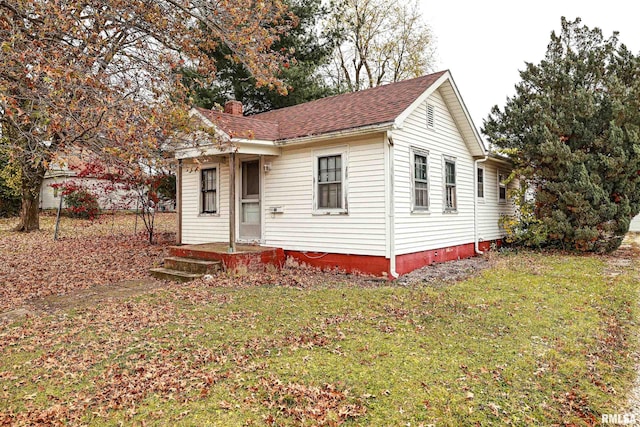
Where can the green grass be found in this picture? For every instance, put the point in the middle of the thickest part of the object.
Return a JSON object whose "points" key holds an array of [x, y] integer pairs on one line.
{"points": [[536, 340]]}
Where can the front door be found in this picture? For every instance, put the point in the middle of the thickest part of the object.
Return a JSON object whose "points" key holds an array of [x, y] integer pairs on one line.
{"points": [[250, 200]]}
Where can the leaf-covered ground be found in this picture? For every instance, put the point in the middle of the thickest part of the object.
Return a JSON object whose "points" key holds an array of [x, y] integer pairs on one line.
{"points": [[102, 252], [533, 340]]}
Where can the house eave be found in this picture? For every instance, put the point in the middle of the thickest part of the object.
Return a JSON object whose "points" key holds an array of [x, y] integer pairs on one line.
{"points": [[497, 158], [345, 133], [59, 174], [238, 146]]}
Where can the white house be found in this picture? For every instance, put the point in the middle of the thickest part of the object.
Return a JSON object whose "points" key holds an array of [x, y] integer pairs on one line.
{"points": [[381, 181], [50, 196], [109, 195]]}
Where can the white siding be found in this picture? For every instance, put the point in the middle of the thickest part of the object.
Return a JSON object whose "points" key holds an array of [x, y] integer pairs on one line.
{"points": [[635, 224], [108, 198], [48, 196], [420, 231], [113, 198], [290, 184], [489, 208], [204, 228]]}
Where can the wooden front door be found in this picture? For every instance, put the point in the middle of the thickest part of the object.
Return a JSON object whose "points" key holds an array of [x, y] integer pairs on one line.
{"points": [[250, 218]]}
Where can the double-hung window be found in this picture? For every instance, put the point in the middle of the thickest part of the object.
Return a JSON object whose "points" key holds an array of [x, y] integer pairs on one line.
{"points": [[480, 183], [450, 197], [330, 182], [420, 181], [209, 191], [502, 188]]}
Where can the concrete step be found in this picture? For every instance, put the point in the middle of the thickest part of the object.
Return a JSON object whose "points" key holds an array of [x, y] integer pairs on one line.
{"points": [[175, 275], [191, 265]]}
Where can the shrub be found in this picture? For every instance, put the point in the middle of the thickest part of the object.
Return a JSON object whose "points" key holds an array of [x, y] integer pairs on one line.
{"points": [[9, 206], [10, 197], [81, 203]]}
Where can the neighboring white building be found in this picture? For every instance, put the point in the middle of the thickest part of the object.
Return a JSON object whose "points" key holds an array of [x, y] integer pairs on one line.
{"points": [[635, 224], [109, 196], [49, 196], [382, 181]]}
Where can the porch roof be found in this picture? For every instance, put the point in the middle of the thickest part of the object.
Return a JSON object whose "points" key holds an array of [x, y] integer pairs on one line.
{"points": [[261, 148]]}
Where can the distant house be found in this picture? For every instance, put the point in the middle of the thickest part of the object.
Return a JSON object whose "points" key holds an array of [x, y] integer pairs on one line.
{"points": [[635, 224], [380, 181], [110, 196], [50, 196]]}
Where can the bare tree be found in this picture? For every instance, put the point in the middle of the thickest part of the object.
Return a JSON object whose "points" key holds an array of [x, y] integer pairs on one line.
{"points": [[382, 41]]}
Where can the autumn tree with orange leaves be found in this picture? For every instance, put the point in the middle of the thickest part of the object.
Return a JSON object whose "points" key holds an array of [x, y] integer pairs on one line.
{"points": [[100, 75]]}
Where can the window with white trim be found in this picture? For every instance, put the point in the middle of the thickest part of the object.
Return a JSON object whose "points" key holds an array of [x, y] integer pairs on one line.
{"points": [[480, 182], [209, 191], [431, 116], [450, 196], [502, 188], [330, 182], [420, 181]]}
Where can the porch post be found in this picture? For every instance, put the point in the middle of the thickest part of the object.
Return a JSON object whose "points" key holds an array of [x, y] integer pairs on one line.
{"points": [[232, 202], [179, 202]]}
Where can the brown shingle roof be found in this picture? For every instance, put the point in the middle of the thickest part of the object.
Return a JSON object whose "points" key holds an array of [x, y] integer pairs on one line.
{"points": [[241, 126], [382, 104]]}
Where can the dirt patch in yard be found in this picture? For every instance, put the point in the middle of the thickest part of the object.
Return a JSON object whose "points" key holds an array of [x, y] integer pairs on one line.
{"points": [[446, 272], [17, 314], [91, 260], [98, 294], [79, 299]]}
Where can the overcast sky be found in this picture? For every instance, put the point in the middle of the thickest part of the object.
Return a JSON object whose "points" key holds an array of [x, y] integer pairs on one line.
{"points": [[484, 44]]}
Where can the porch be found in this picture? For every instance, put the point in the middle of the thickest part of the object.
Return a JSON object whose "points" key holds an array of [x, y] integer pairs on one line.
{"points": [[189, 262]]}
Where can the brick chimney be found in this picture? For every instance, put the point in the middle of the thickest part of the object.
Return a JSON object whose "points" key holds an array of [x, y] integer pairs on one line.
{"points": [[233, 107]]}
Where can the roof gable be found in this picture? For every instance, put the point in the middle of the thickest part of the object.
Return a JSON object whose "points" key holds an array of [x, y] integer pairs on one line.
{"points": [[458, 110]]}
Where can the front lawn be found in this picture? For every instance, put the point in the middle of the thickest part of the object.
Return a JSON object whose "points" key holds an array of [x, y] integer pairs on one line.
{"points": [[111, 249], [534, 340]]}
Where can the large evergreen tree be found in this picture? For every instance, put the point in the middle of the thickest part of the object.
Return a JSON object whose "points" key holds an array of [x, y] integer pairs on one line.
{"points": [[307, 48], [573, 131]]}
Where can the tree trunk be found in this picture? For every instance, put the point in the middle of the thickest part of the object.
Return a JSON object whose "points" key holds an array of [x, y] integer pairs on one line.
{"points": [[29, 214], [32, 178]]}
